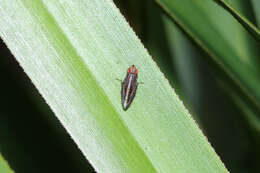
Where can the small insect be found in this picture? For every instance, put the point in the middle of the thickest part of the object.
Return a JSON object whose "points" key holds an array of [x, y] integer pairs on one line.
{"points": [[129, 86]]}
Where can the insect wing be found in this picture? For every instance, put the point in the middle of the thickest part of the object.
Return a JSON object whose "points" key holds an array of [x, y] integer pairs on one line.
{"points": [[132, 92], [129, 86], [123, 90]]}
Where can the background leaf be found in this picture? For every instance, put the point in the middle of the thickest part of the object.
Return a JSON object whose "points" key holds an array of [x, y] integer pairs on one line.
{"points": [[238, 61]]}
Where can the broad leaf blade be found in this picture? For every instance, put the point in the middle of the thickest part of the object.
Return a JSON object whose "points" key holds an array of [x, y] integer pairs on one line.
{"points": [[73, 51]]}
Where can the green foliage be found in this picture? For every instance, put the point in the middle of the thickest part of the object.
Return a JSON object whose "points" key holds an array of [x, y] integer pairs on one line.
{"points": [[74, 52]]}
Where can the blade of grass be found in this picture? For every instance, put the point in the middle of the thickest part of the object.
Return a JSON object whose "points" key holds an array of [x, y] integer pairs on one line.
{"points": [[73, 51], [251, 28], [227, 46], [4, 167]]}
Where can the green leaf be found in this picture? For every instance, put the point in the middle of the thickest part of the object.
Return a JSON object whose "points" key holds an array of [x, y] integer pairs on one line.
{"points": [[4, 167], [73, 51], [251, 28], [230, 47]]}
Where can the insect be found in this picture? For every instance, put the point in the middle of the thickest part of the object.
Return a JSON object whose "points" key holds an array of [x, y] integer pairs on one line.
{"points": [[129, 86]]}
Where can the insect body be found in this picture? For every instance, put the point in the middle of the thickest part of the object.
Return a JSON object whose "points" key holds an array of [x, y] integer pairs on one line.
{"points": [[129, 86]]}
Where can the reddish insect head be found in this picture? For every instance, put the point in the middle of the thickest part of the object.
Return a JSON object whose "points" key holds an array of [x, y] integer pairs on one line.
{"points": [[132, 70]]}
